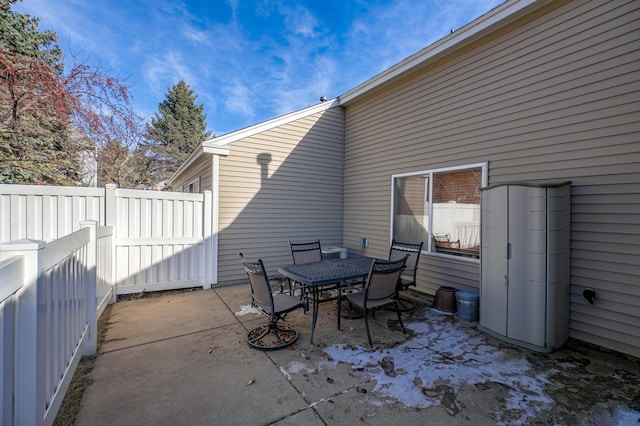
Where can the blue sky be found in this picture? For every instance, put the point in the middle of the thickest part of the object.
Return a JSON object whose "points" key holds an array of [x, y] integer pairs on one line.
{"points": [[248, 61]]}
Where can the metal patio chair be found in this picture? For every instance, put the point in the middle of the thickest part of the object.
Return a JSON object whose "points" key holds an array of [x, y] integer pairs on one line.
{"points": [[380, 290], [306, 252], [408, 276], [309, 252], [274, 305]]}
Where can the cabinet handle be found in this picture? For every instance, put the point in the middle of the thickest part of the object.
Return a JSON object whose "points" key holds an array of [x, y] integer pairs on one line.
{"points": [[506, 280], [508, 251]]}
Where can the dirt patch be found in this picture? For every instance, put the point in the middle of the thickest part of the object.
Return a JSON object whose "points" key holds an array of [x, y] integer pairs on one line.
{"points": [[150, 294]]}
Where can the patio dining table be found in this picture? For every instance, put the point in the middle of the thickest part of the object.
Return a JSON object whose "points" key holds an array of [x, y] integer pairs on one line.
{"points": [[316, 275]]}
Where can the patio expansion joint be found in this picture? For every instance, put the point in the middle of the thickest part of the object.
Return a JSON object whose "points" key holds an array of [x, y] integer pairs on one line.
{"points": [[313, 405], [328, 399], [164, 339]]}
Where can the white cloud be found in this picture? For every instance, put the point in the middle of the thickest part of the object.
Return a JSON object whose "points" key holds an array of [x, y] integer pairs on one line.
{"points": [[251, 61], [299, 20], [238, 99], [195, 35], [163, 72]]}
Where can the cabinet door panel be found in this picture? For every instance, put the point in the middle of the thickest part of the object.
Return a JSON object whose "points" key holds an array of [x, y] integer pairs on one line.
{"points": [[493, 291], [526, 318], [527, 313]]}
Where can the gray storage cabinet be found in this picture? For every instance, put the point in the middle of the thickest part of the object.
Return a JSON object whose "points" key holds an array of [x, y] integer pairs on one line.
{"points": [[525, 270]]}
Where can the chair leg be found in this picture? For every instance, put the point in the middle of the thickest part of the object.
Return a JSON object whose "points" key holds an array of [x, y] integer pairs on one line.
{"points": [[406, 305], [303, 293], [400, 316], [304, 296], [339, 308], [291, 284], [366, 325]]}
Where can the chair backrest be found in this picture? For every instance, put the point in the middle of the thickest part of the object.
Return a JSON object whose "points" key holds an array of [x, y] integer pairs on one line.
{"points": [[398, 250], [383, 278], [261, 293], [306, 252]]}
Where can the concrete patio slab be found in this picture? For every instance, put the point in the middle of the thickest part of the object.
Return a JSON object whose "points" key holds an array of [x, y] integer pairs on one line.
{"points": [[153, 317], [182, 359]]}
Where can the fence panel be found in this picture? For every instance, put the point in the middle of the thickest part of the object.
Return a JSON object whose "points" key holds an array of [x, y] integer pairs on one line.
{"points": [[12, 273], [51, 325], [47, 213], [62, 288], [159, 240], [105, 291]]}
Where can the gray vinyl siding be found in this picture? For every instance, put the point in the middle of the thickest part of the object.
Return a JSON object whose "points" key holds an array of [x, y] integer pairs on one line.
{"points": [[200, 168], [552, 97], [295, 196]]}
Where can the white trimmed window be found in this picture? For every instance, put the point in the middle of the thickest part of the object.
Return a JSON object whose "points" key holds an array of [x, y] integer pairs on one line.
{"points": [[440, 207], [193, 186]]}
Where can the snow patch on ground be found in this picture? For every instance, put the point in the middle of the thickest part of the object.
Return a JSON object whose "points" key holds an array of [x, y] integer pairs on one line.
{"points": [[442, 354], [440, 357], [247, 309]]}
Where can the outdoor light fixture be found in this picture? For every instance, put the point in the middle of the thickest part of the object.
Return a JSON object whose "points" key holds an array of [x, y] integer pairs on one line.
{"points": [[589, 294]]}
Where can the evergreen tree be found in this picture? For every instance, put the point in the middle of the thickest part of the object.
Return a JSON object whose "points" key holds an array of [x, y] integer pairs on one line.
{"points": [[51, 122], [175, 131], [35, 142]]}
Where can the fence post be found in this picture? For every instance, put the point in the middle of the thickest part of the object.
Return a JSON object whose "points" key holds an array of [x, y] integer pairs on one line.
{"points": [[207, 229], [91, 280], [111, 219], [30, 356]]}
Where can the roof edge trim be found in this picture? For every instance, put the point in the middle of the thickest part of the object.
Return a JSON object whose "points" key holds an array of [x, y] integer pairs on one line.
{"points": [[200, 150], [220, 145], [216, 150], [269, 124], [504, 13], [189, 161]]}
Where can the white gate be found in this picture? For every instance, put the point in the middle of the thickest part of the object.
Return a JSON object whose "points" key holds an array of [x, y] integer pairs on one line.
{"points": [[160, 239]]}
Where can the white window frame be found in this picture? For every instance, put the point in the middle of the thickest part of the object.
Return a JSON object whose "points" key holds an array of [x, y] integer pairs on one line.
{"points": [[196, 186], [428, 249]]}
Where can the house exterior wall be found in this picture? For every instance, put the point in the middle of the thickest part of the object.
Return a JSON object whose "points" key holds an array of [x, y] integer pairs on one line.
{"points": [[201, 168], [554, 96], [281, 185]]}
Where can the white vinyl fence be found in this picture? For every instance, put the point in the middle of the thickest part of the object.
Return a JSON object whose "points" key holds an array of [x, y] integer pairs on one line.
{"points": [[48, 317], [47, 213], [65, 253], [161, 240]]}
